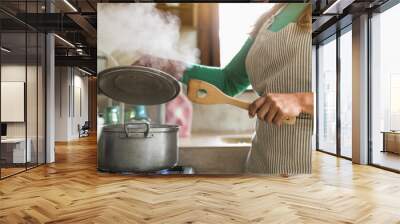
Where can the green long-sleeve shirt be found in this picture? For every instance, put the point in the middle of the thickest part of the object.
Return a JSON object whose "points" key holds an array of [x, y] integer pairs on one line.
{"points": [[233, 78]]}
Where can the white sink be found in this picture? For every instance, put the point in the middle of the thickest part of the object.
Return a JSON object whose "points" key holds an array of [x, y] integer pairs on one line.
{"points": [[237, 139]]}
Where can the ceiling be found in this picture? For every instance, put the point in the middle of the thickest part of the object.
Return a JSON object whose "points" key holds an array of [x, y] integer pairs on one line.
{"points": [[329, 16], [76, 22], [72, 20]]}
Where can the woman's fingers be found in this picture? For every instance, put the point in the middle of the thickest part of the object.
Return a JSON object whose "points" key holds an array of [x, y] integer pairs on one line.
{"points": [[268, 108], [264, 110], [253, 108], [276, 107], [271, 113], [278, 119]]}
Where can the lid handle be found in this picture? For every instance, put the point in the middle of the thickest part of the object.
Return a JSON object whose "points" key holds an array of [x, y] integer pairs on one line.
{"points": [[146, 131]]}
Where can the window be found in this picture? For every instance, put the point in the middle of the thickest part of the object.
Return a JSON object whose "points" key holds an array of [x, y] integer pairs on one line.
{"points": [[22, 77], [243, 16], [346, 94], [334, 94], [327, 96], [385, 89]]}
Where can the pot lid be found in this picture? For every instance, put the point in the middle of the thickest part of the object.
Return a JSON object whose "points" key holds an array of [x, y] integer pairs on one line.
{"points": [[138, 85], [140, 128]]}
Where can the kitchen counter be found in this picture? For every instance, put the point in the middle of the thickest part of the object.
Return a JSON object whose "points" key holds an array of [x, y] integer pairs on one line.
{"points": [[206, 140], [215, 153]]}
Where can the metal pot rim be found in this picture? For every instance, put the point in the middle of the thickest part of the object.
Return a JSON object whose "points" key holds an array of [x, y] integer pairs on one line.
{"points": [[140, 128], [126, 83]]}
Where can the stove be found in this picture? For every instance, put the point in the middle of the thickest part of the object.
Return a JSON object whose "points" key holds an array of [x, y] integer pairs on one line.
{"points": [[177, 170]]}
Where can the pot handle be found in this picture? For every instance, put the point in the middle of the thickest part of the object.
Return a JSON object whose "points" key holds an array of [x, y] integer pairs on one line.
{"points": [[146, 132]]}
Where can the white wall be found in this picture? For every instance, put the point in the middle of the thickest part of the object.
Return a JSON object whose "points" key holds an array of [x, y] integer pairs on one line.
{"points": [[81, 83], [12, 73], [69, 82], [33, 127], [61, 103]]}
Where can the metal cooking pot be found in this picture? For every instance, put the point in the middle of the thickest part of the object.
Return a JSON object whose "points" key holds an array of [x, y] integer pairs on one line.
{"points": [[138, 147]]}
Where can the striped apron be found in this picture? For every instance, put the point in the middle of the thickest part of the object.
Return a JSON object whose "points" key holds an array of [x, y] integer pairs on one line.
{"points": [[280, 62]]}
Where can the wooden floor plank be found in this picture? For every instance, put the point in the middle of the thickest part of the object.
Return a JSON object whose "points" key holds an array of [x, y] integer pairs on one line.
{"points": [[72, 191]]}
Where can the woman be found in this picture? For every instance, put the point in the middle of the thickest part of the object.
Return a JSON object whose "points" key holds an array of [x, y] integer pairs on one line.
{"points": [[276, 61]]}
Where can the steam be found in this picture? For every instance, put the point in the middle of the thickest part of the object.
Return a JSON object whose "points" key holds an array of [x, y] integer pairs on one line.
{"points": [[128, 30]]}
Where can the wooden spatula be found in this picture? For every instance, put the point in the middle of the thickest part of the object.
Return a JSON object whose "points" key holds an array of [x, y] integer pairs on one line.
{"points": [[204, 93]]}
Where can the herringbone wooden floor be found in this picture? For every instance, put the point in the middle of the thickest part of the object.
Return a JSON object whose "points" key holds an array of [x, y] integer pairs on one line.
{"points": [[72, 191]]}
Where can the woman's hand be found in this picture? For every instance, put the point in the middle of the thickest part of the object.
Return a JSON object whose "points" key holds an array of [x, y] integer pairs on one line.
{"points": [[276, 107], [172, 67]]}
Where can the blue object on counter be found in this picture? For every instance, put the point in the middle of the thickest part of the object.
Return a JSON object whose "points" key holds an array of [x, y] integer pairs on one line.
{"points": [[137, 112], [140, 112], [112, 115]]}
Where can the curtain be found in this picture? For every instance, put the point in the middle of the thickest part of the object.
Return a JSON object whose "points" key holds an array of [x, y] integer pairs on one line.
{"points": [[208, 33]]}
